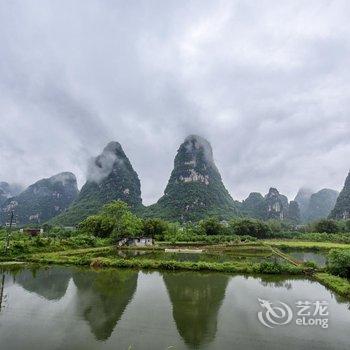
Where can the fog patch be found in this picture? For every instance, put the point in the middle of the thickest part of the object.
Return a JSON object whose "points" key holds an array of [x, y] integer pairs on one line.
{"points": [[102, 166], [193, 143], [10, 190], [65, 178]]}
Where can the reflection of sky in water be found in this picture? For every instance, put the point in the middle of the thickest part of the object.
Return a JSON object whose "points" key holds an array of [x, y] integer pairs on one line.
{"points": [[115, 309], [205, 256], [318, 258]]}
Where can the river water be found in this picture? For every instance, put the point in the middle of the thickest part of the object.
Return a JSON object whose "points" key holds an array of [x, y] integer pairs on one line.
{"points": [[75, 308]]}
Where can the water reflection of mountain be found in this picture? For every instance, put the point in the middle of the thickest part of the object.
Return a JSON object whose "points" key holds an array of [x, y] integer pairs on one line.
{"points": [[196, 300], [277, 281], [49, 283], [103, 297]]}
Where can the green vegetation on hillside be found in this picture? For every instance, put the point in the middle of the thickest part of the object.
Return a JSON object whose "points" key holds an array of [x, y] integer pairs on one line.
{"points": [[41, 201], [342, 206], [195, 189], [110, 177]]}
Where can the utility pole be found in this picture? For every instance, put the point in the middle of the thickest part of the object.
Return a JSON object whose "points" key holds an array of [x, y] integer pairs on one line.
{"points": [[2, 289], [7, 243]]}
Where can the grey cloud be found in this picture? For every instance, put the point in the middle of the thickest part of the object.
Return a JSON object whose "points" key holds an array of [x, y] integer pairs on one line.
{"points": [[266, 83]]}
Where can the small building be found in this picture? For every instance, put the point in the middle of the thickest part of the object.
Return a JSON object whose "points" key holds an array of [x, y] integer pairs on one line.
{"points": [[135, 241], [33, 232]]}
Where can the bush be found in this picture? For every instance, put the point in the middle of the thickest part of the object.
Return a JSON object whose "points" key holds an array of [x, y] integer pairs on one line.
{"points": [[82, 241], [40, 242], [338, 262], [310, 265], [325, 237], [286, 235], [97, 225], [327, 226], [347, 226], [154, 227], [128, 225], [59, 232], [211, 226], [19, 247], [115, 220], [250, 227], [270, 267]]}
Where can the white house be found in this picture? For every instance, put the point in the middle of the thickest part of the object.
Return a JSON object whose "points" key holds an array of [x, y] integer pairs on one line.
{"points": [[135, 241]]}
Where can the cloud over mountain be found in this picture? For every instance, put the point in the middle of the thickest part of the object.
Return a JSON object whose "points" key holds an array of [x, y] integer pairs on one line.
{"points": [[266, 83]]}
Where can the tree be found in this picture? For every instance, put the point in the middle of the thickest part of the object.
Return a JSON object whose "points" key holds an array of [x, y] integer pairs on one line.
{"points": [[153, 227], [127, 225], [251, 227], [46, 227], [115, 220], [327, 226], [97, 225], [211, 226], [347, 225], [115, 209], [338, 262]]}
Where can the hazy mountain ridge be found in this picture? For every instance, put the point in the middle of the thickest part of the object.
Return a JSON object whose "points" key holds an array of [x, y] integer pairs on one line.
{"points": [[341, 209], [303, 198], [321, 204], [42, 200], [273, 206], [314, 206], [194, 191], [8, 190]]}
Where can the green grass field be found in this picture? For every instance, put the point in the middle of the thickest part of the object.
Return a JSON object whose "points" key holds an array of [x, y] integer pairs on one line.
{"points": [[305, 244]]}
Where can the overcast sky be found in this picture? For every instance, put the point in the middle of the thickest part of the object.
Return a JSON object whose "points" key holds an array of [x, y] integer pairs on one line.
{"points": [[266, 82]]}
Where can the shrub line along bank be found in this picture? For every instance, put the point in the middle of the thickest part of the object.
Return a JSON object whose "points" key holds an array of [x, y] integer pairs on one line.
{"points": [[245, 267], [339, 285]]}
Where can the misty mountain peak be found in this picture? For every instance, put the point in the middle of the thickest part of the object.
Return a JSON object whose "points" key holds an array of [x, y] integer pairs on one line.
{"points": [[9, 190], [110, 177], [303, 199], [64, 177], [195, 186], [113, 147], [112, 159], [321, 204], [277, 204], [341, 209], [305, 192], [197, 149], [272, 192]]}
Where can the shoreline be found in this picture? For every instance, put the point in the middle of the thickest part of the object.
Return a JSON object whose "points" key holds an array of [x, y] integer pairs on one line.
{"points": [[89, 257], [338, 285]]}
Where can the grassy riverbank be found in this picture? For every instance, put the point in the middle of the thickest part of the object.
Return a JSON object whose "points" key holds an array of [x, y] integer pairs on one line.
{"points": [[305, 245], [88, 258], [339, 285], [255, 257]]}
